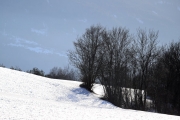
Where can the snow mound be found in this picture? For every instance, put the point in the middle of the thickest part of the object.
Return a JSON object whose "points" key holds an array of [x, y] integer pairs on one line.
{"points": [[27, 96]]}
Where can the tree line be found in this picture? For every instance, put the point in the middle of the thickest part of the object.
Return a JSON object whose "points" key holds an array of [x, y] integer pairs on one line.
{"points": [[136, 73], [65, 73]]}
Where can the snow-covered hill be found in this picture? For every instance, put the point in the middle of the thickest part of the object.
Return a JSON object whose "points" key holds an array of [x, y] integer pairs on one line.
{"points": [[27, 96]]}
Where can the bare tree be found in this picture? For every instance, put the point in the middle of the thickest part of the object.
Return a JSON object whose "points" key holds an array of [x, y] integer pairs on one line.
{"points": [[86, 57], [115, 64], [146, 54]]}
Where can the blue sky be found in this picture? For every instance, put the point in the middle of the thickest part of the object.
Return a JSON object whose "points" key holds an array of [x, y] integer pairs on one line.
{"points": [[38, 33]]}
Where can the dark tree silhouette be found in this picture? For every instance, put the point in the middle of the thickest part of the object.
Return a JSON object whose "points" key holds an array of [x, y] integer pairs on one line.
{"points": [[86, 57], [36, 71], [67, 73], [116, 44], [146, 54], [134, 71]]}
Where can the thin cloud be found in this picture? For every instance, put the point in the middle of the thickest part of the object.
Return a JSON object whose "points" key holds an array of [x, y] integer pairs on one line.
{"points": [[139, 20], [33, 46], [23, 41], [83, 20], [40, 31], [39, 50], [61, 54], [155, 12], [15, 45]]}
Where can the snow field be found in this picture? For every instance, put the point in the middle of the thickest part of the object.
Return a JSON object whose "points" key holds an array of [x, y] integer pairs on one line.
{"points": [[27, 96]]}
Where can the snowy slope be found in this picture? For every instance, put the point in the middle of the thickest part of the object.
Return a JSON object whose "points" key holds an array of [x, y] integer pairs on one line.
{"points": [[26, 96]]}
